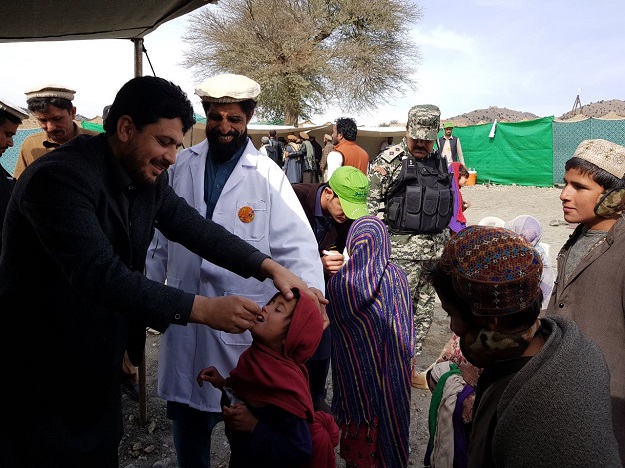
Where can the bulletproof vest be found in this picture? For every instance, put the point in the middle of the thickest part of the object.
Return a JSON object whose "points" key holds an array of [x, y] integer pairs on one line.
{"points": [[421, 199]]}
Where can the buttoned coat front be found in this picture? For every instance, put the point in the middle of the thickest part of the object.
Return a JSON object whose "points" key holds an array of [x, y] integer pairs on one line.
{"points": [[594, 298], [278, 228]]}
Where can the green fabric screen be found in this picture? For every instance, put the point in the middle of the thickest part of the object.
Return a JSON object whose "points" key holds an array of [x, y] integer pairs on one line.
{"points": [[92, 126], [568, 135], [520, 153]]}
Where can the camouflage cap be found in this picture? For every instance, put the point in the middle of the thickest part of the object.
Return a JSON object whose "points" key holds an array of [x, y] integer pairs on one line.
{"points": [[423, 122]]}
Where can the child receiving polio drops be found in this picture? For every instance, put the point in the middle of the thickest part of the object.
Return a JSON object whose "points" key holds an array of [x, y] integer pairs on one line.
{"points": [[267, 407]]}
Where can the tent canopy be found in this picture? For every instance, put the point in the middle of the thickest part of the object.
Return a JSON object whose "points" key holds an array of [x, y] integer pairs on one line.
{"points": [[38, 20]]}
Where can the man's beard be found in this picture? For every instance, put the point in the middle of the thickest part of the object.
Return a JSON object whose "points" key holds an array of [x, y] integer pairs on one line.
{"points": [[220, 152], [134, 166]]}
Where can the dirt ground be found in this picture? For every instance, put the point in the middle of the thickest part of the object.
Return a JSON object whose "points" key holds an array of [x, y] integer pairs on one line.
{"points": [[151, 445]]}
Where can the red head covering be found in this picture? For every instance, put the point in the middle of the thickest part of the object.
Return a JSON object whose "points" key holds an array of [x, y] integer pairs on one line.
{"points": [[454, 168], [262, 375]]}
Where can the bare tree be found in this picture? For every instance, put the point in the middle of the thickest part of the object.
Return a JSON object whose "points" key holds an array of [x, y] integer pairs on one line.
{"points": [[309, 54]]}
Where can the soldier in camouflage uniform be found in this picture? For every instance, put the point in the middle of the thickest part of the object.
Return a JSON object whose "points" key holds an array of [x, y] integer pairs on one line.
{"points": [[411, 251]]}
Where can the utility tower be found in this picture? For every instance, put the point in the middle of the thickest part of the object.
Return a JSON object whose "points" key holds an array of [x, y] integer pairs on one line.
{"points": [[577, 105]]}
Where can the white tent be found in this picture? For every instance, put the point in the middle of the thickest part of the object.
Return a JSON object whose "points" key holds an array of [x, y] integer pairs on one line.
{"points": [[369, 138]]}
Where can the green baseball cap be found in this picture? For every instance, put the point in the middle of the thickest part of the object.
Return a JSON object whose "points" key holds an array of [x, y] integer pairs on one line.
{"points": [[352, 188], [448, 125], [423, 122]]}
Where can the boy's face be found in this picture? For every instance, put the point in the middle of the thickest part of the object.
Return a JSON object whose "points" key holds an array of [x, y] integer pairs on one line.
{"points": [[276, 316], [579, 198], [457, 324], [333, 205], [462, 181]]}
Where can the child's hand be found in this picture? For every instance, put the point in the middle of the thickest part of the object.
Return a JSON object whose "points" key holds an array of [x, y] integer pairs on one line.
{"points": [[466, 204], [211, 375], [239, 418]]}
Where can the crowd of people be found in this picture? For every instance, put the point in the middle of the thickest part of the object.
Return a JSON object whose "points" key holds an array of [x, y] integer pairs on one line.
{"points": [[269, 270]]}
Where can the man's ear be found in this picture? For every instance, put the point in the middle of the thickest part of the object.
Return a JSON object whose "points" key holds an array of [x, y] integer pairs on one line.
{"points": [[125, 128]]}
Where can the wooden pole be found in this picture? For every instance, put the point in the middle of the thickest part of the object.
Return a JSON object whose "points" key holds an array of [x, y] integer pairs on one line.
{"points": [[143, 404]]}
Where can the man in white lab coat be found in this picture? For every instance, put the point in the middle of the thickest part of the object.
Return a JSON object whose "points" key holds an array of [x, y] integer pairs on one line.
{"points": [[226, 179]]}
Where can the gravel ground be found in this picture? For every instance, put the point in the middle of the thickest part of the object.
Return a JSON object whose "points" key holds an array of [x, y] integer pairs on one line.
{"points": [[151, 444]]}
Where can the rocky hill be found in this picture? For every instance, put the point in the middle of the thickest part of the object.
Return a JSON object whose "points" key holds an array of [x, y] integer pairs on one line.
{"points": [[481, 116], [613, 107], [599, 109]]}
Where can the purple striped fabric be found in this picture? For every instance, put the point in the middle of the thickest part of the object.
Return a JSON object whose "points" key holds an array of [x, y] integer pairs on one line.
{"points": [[371, 317]]}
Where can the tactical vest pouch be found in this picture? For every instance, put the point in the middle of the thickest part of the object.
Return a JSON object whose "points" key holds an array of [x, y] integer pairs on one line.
{"points": [[421, 201]]}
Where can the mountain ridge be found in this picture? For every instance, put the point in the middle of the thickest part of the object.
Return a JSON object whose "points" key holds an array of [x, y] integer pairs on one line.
{"points": [[502, 114]]}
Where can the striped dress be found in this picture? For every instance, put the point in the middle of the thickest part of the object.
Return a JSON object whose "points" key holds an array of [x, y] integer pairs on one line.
{"points": [[371, 317]]}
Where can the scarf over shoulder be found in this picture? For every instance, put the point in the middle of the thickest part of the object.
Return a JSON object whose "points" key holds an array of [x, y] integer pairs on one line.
{"points": [[458, 221], [372, 339]]}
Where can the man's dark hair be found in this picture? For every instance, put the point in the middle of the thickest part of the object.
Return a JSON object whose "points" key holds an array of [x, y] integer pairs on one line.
{"points": [[346, 126], [4, 116], [42, 104], [247, 107], [146, 100], [602, 177], [272, 133]]}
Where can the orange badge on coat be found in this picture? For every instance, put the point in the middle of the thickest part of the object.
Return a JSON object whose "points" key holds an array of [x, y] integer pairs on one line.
{"points": [[246, 214]]}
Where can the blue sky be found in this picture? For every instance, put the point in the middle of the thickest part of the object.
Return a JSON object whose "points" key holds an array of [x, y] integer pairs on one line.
{"points": [[526, 55]]}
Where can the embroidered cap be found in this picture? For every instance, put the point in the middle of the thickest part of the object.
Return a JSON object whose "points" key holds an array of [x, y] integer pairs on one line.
{"points": [[12, 110], [423, 122], [50, 91], [228, 88], [494, 269], [603, 153], [352, 188], [304, 135]]}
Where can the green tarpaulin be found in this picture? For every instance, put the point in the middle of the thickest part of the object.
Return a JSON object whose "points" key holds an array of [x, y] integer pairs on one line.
{"points": [[92, 126], [519, 153]]}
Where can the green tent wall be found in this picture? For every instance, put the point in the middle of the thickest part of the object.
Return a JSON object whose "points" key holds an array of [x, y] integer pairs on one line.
{"points": [[524, 153], [567, 135], [520, 153]]}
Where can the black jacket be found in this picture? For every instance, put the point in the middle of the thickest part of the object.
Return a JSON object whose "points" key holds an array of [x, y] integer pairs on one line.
{"points": [[7, 182], [72, 283]]}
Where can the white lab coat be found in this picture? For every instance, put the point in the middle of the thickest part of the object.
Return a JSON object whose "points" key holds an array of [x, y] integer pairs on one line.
{"points": [[279, 229]]}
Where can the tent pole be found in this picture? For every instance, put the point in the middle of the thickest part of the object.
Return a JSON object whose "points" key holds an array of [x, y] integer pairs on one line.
{"points": [[143, 406], [138, 42]]}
